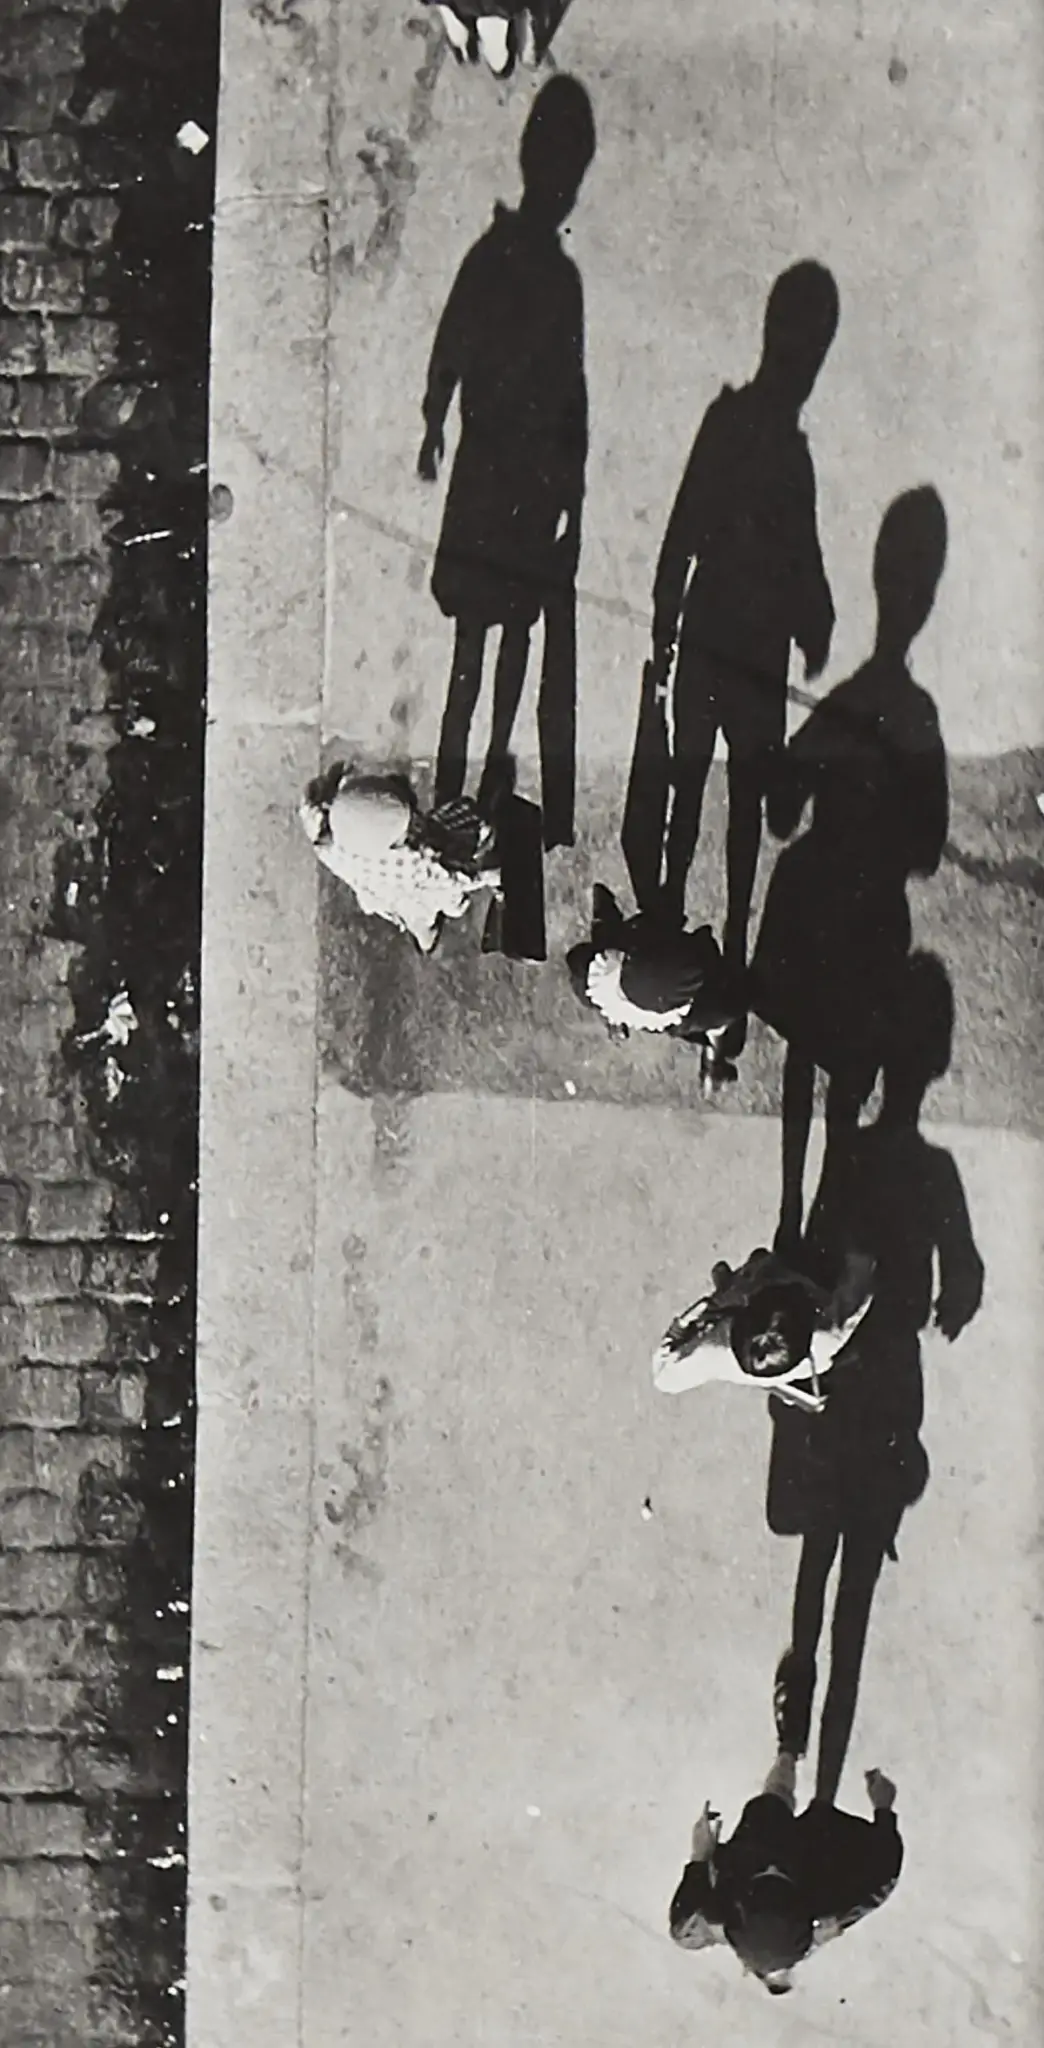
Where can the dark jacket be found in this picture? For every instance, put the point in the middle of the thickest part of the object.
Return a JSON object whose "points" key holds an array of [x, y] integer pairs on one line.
{"points": [[844, 1868]]}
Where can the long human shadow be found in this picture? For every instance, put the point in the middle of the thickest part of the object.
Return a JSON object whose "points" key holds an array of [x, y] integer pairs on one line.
{"points": [[836, 933], [511, 341], [740, 579], [844, 1480]]}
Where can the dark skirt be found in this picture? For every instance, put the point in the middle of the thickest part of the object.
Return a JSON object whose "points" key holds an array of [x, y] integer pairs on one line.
{"points": [[498, 559], [828, 967]]}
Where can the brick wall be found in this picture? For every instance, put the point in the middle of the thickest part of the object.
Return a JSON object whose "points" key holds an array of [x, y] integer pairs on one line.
{"points": [[104, 295]]}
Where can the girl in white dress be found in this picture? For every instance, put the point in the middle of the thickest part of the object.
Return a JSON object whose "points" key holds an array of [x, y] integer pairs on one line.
{"points": [[412, 868]]}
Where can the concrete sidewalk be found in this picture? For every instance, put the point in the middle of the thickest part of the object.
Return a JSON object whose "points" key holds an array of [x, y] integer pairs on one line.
{"points": [[456, 1700]]}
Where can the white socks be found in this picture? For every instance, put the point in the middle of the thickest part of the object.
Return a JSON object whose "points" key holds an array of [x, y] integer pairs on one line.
{"points": [[493, 38], [456, 30]]}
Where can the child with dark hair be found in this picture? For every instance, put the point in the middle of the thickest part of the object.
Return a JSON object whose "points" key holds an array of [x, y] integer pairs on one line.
{"points": [[764, 1325], [643, 975], [785, 1884]]}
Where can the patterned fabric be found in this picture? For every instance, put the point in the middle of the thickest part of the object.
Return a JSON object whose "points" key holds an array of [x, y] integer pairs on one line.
{"points": [[408, 886]]}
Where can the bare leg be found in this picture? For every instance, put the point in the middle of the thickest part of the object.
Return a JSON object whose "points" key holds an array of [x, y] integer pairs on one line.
{"points": [[495, 43], [465, 684], [798, 1082], [781, 1782], [512, 661], [860, 1569], [456, 31]]}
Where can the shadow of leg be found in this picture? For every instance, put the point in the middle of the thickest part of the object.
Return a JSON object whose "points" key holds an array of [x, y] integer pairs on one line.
{"points": [[798, 1084], [796, 1675], [648, 794], [747, 781], [465, 683], [556, 722], [847, 1091], [512, 661], [547, 17], [861, 1561], [695, 725]]}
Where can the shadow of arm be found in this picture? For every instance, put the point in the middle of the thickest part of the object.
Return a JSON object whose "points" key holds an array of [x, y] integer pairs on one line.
{"points": [[927, 809], [815, 615], [449, 352], [686, 535], [962, 1274]]}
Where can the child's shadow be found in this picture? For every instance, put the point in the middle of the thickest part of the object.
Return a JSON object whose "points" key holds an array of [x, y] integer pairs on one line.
{"points": [[844, 1480]]}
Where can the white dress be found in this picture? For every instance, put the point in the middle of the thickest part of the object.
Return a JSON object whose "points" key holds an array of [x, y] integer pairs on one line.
{"points": [[408, 886], [696, 1349]]}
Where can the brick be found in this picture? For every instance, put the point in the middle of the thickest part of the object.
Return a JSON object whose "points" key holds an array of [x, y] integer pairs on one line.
{"points": [[103, 1584], [61, 1955], [44, 1890], [32, 101], [50, 162], [41, 1272], [49, 1149], [42, 284], [38, 1396], [23, 468], [52, 42], [35, 2011], [25, 219], [12, 1334], [46, 406], [47, 1706], [28, 1830], [36, 658], [32, 1763], [71, 1209], [87, 223], [66, 1332], [121, 1272], [14, 1209], [34, 1520], [81, 347], [108, 1513], [64, 531], [112, 1400], [16, 1965], [61, 1459], [45, 1646], [85, 473], [104, 1768], [21, 345], [17, 1460], [39, 1582], [38, 591]]}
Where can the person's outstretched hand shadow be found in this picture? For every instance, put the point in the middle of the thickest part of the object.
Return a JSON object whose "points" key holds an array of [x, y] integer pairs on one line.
{"points": [[433, 448]]}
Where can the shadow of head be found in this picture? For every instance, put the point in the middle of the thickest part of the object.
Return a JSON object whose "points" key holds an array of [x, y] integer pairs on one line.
{"points": [[908, 562], [919, 1043], [558, 144], [770, 1930], [800, 323]]}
